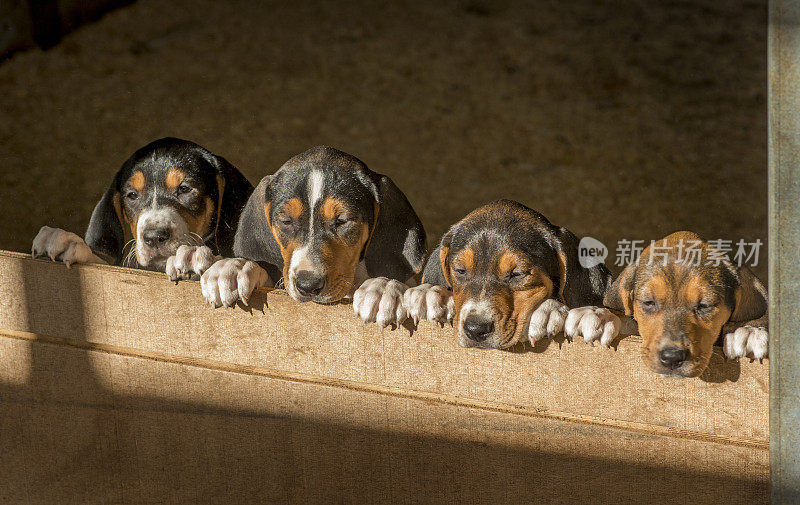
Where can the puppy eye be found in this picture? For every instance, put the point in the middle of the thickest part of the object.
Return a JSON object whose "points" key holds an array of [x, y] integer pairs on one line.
{"points": [[702, 307], [339, 221], [515, 274], [183, 189], [132, 195], [649, 305], [460, 271], [285, 221]]}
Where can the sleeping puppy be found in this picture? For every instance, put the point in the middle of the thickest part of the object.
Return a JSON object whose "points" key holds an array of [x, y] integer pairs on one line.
{"points": [[168, 193], [682, 302], [513, 276], [323, 223]]}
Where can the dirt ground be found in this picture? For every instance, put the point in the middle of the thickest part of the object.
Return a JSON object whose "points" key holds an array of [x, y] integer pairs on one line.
{"points": [[617, 119]]}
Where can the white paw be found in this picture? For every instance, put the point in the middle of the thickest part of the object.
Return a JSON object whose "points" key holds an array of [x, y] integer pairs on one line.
{"points": [[380, 300], [592, 323], [429, 302], [547, 320], [747, 342], [232, 279], [65, 246], [189, 260]]}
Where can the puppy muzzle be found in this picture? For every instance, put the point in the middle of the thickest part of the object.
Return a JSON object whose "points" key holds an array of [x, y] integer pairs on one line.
{"points": [[478, 326], [159, 234], [309, 283], [674, 358]]}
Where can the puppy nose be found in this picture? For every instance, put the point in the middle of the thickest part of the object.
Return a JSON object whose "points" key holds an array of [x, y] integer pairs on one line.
{"points": [[309, 283], [672, 357], [478, 329], [154, 237]]}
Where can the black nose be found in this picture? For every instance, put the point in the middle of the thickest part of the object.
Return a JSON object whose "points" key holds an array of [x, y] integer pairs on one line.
{"points": [[309, 283], [672, 357], [478, 329], [154, 237]]}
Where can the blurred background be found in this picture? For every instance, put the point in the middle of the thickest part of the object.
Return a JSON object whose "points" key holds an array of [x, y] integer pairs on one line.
{"points": [[617, 119]]}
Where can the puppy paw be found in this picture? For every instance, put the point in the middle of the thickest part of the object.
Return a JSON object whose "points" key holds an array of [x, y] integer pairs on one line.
{"points": [[189, 260], [592, 323], [547, 320], [60, 245], [747, 342], [429, 302], [380, 300], [231, 279]]}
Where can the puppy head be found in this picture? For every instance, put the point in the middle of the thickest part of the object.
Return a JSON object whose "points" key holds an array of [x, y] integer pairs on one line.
{"points": [[167, 194], [321, 208], [501, 262], [682, 299]]}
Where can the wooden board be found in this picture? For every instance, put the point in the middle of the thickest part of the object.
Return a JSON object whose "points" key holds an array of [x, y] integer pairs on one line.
{"points": [[117, 386]]}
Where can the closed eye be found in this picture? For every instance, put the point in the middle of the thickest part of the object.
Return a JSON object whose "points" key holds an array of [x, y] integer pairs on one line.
{"points": [[649, 305], [460, 271], [703, 308]]}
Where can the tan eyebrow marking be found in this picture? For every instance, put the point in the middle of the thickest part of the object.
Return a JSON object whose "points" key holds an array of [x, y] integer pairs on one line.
{"points": [[174, 178], [331, 208], [137, 181], [467, 258], [507, 263], [293, 208], [658, 287]]}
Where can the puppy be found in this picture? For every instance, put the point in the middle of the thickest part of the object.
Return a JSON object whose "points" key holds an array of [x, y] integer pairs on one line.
{"points": [[323, 224], [513, 276], [683, 301], [168, 193]]}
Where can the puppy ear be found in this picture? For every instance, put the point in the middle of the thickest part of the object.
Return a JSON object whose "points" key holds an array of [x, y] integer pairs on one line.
{"points": [[578, 286], [233, 192], [397, 246], [254, 239], [750, 297], [620, 295], [105, 234], [437, 269]]}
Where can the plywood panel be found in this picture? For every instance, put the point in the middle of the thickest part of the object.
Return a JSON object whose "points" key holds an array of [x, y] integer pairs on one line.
{"points": [[96, 427], [117, 386]]}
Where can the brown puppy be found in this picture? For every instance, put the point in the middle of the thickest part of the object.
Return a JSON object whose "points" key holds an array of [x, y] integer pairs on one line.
{"points": [[683, 293], [505, 274]]}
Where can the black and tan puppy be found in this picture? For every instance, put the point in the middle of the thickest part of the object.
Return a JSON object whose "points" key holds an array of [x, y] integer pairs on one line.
{"points": [[324, 223], [513, 275], [683, 301], [168, 193]]}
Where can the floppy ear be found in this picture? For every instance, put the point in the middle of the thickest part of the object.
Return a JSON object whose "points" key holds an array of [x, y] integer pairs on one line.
{"points": [[105, 234], [750, 296], [437, 269], [397, 246], [254, 240], [233, 192], [619, 296], [578, 286]]}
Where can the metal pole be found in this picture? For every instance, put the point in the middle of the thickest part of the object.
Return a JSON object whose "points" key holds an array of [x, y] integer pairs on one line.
{"points": [[784, 248]]}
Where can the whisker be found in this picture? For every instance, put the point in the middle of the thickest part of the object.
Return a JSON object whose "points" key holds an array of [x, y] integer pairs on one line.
{"points": [[197, 237], [128, 243], [129, 257]]}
